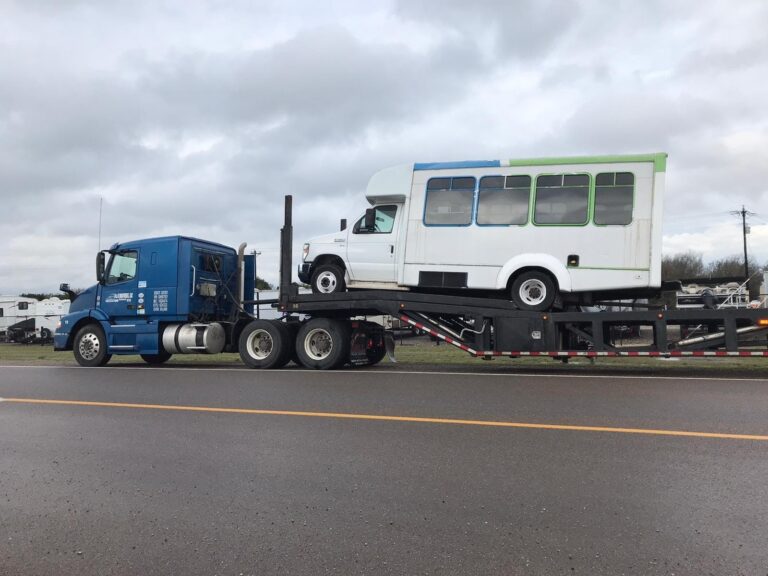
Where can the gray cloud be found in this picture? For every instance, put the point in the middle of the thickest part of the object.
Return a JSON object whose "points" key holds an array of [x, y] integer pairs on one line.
{"points": [[198, 120]]}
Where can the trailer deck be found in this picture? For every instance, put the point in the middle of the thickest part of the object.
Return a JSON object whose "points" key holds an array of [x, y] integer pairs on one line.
{"points": [[493, 327]]}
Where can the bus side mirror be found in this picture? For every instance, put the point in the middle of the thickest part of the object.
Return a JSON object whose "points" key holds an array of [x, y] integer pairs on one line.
{"points": [[369, 222], [100, 267]]}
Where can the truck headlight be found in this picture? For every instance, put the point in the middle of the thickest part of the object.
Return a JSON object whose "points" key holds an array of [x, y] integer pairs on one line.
{"points": [[305, 251]]}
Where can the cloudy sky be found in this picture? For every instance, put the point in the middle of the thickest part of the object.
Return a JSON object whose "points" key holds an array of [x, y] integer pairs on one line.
{"points": [[196, 117]]}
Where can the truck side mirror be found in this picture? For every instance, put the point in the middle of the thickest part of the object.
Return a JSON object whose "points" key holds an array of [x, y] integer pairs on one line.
{"points": [[369, 222], [100, 267]]}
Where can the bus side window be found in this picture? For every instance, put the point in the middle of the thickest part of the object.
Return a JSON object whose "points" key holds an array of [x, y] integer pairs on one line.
{"points": [[562, 199], [503, 201], [614, 198], [449, 201]]}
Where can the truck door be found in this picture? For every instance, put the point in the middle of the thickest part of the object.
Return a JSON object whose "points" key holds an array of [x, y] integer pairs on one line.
{"points": [[118, 294], [371, 251]]}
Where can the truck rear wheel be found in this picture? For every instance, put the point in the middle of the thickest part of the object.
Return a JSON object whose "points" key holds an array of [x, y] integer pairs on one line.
{"points": [[323, 343], [265, 344], [533, 291], [90, 346]]}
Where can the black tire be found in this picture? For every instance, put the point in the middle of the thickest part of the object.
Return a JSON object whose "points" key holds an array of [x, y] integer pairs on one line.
{"points": [[156, 359], [376, 355], [533, 291], [90, 346], [323, 343], [328, 279], [265, 344]]}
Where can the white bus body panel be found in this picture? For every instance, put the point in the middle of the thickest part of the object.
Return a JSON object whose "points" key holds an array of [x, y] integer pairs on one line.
{"points": [[610, 257]]}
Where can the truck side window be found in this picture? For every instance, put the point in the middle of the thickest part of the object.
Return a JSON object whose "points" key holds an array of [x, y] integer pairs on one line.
{"points": [[562, 199], [614, 198], [449, 201], [503, 201], [385, 221], [122, 267]]}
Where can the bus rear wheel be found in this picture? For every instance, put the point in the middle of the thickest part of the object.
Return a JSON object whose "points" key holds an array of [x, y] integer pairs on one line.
{"points": [[533, 291]]}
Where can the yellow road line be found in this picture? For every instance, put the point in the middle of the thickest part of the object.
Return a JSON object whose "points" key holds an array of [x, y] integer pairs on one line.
{"points": [[352, 416]]}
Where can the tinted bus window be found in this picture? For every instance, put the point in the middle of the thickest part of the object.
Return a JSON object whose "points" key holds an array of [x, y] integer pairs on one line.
{"points": [[503, 201], [614, 198], [562, 199], [449, 201]]}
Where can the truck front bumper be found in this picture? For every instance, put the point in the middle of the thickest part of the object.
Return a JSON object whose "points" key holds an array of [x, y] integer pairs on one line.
{"points": [[60, 341], [304, 275]]}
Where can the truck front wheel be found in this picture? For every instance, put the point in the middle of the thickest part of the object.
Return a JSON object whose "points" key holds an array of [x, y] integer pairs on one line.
{"points": [[90, 346], [328, 279]]}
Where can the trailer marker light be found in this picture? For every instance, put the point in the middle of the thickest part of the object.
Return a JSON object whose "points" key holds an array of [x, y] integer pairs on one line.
{"points": [[762, 321]]}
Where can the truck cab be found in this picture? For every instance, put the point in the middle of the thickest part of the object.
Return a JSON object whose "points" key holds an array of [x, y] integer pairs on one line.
{"points": [[148, 288]]}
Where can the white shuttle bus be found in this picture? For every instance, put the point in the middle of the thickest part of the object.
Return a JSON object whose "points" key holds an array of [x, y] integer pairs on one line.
{"points": [[533, 229]]}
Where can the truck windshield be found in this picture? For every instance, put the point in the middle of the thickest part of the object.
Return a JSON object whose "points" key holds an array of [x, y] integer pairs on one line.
{"points": [[122, 267]]}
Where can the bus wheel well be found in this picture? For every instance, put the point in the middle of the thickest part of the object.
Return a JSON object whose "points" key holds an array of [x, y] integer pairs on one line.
{"points": [[520, 271], [329, 259]]}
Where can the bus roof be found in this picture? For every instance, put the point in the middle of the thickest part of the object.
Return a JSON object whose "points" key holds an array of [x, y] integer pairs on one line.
{"points": [[659, 160]]}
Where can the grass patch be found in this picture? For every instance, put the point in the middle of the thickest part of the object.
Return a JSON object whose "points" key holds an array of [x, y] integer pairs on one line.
{"points": [[424, 355]]}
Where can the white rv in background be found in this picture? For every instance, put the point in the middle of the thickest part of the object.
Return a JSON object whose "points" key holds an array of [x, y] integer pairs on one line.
{"points": [[29, 320], [532, 229]]}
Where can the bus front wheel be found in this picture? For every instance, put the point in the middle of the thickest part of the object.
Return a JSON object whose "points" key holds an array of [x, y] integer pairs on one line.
{"points": [[534, 291]]}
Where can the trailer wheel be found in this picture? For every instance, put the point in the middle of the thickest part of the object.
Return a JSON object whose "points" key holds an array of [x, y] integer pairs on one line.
{"points": [[534, 291], [90, 346], [328, 279], [156, 359], [323, 343], [265, 344]]}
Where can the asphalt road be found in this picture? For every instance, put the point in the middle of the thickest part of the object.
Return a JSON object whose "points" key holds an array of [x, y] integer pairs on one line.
{"points": [[301, 478]]}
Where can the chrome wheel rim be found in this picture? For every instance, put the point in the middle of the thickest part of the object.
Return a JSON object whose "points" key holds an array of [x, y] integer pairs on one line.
{"points": [[318, 344], [326, 282], [89, 346], [533, 292], [260, 344]]}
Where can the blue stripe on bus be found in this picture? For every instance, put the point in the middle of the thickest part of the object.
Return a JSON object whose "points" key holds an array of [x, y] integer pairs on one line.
{"points": [[451, 165]]}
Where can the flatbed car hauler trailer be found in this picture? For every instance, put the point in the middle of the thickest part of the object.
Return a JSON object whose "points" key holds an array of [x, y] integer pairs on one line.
{"points": [[177, 295], [489, 328]]}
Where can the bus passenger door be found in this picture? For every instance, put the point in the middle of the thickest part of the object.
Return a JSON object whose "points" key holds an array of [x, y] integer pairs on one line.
{"points": [[371, 250]]}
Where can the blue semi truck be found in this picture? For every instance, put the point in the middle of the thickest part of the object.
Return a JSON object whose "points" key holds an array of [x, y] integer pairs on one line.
{"points": [[158, 297]]}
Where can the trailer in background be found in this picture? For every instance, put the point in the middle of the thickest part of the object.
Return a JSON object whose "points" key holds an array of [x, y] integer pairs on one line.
{"points": [[27, 320]]}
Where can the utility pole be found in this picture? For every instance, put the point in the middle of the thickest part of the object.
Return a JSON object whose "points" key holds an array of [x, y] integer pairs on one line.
{"points": [[744, 230]]}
